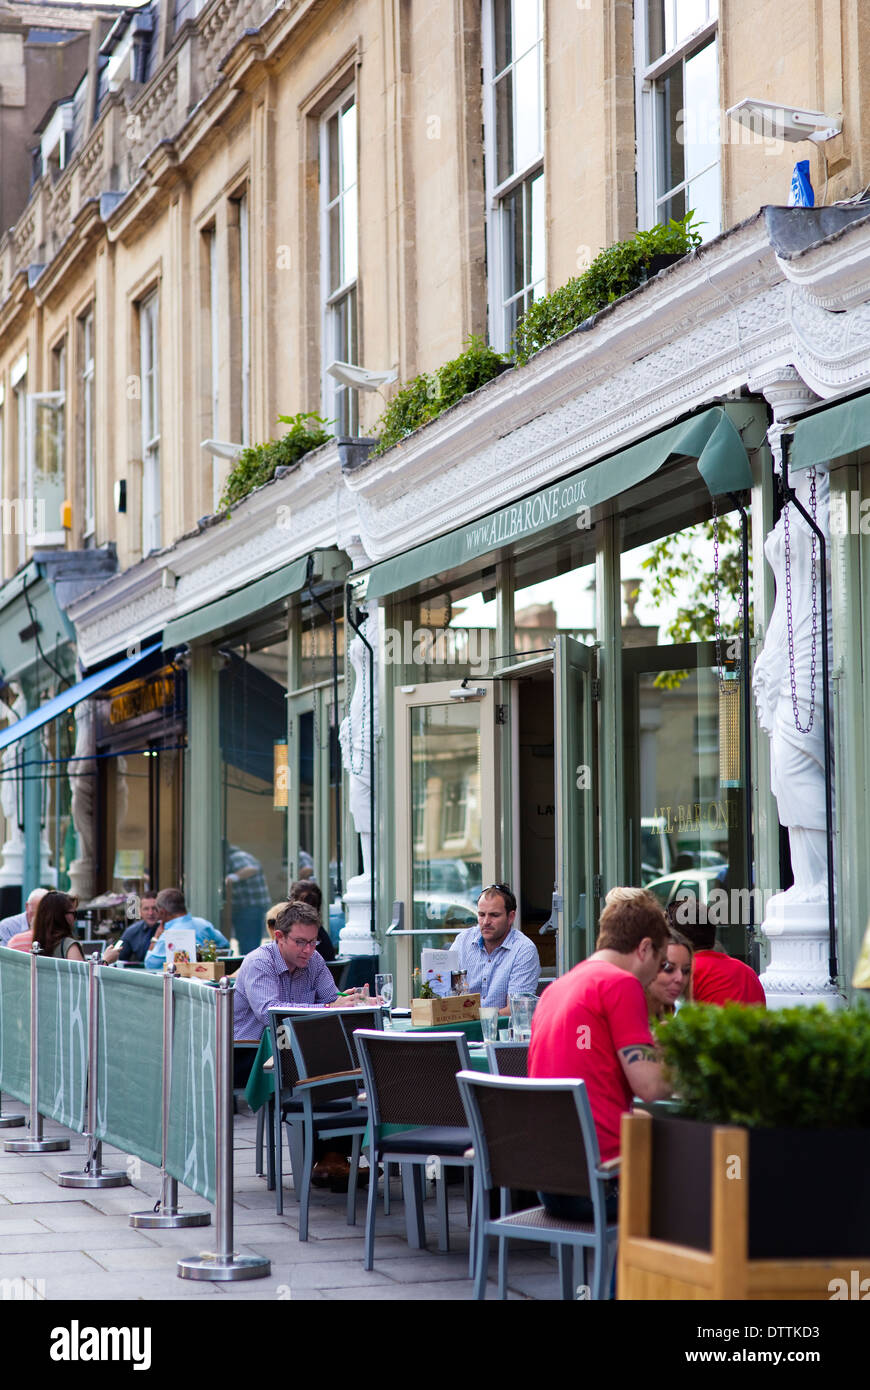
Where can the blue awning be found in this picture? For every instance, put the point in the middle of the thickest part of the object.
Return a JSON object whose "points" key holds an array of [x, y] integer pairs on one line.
{"points": [[67, 698]]}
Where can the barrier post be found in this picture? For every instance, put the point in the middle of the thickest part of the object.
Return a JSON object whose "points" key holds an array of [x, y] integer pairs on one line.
{"points": [[166, 1212], [94, 1175], [9, 1121], [223, 1263], [34, 1144]]}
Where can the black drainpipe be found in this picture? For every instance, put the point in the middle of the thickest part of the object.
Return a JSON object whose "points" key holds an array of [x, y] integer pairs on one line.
{"points": [[331, 616], [370, 649]]}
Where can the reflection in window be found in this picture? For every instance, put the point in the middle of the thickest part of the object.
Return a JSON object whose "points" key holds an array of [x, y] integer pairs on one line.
{"points": [[340, 236]]}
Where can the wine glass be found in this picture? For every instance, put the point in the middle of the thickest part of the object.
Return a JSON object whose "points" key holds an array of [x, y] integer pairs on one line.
{"points": [[384, 988]]}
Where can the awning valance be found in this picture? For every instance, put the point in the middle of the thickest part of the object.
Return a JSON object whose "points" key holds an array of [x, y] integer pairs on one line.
{"points": [[831, 433], [218, 618], [67, 698], [713, 438]]}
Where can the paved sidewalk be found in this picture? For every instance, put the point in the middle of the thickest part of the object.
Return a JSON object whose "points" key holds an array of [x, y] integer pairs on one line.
{"points": [[77, 1244]]}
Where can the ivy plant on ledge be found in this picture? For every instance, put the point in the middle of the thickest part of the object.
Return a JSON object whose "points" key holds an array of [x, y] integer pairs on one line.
{"points": [[257, 464], [614, 272], [428, 395]]}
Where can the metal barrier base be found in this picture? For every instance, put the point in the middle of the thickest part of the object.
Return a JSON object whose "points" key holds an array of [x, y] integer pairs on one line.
{"points": [[221, 1269], [107, 1178], [168, 1220], [36, 1146], [11, 1121]]}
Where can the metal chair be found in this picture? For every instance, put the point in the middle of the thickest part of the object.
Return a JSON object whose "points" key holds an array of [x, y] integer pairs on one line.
{"points": [[508, 1058], [289, 1108], [537, 1135], [411, 1081], [327, 1088]]}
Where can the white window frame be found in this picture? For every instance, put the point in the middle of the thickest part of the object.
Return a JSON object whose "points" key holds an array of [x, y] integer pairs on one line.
{"points": [[496, 192], [52, 400], [646, 74], [245, 318], [211, 243], [149, 373], [87, 326], [331, 390]]}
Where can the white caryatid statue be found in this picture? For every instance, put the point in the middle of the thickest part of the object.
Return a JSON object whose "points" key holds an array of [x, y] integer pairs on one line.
{"points": [[12, 871], [83, 780], [788, 684], [355, 738]]}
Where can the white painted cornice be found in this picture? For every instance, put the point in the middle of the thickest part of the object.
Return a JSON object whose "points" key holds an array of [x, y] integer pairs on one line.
{"points": [[277, 524], [833, 275]]}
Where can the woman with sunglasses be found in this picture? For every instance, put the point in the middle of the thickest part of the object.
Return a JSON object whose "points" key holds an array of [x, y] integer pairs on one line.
{"points": [[53, 927], [674, 980]]}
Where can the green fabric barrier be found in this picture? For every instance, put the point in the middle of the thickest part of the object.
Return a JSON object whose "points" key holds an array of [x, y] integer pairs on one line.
{"points": [[62, 1040], [129, 1075], [192, 1120], [15, 1023]]}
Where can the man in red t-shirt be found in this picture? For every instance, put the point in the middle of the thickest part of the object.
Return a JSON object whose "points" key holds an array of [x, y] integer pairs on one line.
{"points": [[716, 977], [593, 1023]]}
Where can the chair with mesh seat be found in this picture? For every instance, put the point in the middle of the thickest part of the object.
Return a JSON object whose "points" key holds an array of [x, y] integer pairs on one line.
{"points": [[508, 1058], [327, 1087], [539, 1136], [410, 1081], [289, 1107]]}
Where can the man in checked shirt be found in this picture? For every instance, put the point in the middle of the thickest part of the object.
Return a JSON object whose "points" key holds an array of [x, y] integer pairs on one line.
{"points": [[497, 958]]}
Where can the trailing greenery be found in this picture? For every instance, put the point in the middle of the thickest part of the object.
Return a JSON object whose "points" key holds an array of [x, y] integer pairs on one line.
{"points": [[801, 1068], [615, 271], [427, 395], [257, 464]]}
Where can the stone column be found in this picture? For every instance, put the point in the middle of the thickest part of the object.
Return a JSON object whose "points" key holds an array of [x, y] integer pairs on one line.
{"points": [[82, 779]]}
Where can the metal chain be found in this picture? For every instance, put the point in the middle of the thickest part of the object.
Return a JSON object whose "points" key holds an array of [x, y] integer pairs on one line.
{"points": [[716, 590], [788, 612]]}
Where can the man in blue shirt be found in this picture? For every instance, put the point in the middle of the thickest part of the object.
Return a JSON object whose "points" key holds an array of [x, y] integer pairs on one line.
{"points": [[137, 938], [497, 958], [172, 908]]}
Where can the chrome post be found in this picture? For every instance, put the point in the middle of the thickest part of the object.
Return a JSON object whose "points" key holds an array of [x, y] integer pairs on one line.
{"points": [[94, 1175], [35, 1144], [223, 1263], [166, 1212]]}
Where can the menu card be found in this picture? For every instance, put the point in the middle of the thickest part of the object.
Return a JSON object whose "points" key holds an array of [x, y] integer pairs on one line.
{"points": [[180, 945], [436, 968]]}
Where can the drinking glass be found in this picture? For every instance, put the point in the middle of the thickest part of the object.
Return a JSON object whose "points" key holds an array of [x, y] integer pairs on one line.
{"points": [[489, 1024], [384, 987], [522, 1007]]}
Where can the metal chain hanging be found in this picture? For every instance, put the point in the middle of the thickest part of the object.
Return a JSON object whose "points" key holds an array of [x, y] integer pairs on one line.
{"points": [[788, 612], [716, 604]]}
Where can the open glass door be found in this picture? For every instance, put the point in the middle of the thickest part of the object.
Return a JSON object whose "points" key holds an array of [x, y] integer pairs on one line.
{"points": [[575, 898], [446, 815]]}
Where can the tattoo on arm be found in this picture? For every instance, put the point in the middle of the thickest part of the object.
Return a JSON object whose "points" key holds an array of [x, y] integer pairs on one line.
{"points": [[641, 1052]]}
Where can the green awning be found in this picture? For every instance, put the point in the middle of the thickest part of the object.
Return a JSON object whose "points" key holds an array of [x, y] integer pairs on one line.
{"points": [[713, 438], [831, 433], [216, 619]]}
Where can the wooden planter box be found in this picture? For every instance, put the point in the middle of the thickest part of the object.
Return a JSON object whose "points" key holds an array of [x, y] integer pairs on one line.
{"points": [[455, 1008], [721, 1212], [203, 969]]}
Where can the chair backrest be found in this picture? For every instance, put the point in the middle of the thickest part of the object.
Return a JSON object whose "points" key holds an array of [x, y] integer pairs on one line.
{"points": [[535, 1135], [508, 1058], [359, 1017], [286, 1070], [412, 1080], [320, 1048]]}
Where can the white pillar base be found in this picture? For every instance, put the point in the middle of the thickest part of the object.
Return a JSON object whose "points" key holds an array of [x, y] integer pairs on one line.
{"points": [[798, 970], [355, 938]]}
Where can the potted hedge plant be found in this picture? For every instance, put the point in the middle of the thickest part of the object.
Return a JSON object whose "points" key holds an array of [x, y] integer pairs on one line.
{"points": [[757, 1186]]}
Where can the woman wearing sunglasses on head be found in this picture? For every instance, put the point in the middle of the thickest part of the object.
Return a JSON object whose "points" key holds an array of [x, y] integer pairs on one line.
{"points": [[673, 983]]}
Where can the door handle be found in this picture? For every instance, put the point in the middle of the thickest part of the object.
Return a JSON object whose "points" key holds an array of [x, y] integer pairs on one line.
{"points": [[551, 926]]}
